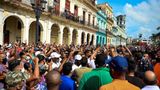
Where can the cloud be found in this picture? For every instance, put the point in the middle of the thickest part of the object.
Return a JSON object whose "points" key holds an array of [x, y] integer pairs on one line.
{"points": [[143, 17]]}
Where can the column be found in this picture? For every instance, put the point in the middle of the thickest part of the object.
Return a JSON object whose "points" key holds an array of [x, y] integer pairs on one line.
{"points": [[44, 33], [72, 7], [90, 38], [1, 25], [1, 33], [26, 30], [91, 19], [60, 35], [79, 37], [62, 5], [104, 40], [94, 39], [70, 36], [85, 37], [48, 31]]}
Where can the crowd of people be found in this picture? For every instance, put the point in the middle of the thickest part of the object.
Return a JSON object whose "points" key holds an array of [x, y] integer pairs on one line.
{"points": [[81, 67]]}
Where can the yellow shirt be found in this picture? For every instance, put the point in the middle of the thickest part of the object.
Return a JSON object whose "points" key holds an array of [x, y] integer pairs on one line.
{"points": [[119, 85], [80, 71], [157, 72]]}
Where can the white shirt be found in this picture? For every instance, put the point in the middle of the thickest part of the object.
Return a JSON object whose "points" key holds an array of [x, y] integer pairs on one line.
{"points": [[75, 67], [91, 63], [55, 65], [150, 87]]}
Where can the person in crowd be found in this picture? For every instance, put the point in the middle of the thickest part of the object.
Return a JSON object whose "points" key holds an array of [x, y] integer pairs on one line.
{"points": [[67, 83], [55, 57], [150, 80], [97, 77], [78, 73], [77, 63], [16, 78], [119, 67], [157, 70], [3, 70], [53, 80], [27, 65], [108, 56], [131, 75], [145, 63]]}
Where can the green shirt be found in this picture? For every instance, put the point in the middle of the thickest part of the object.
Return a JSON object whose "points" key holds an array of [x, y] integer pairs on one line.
{"points": [[94, 79]]}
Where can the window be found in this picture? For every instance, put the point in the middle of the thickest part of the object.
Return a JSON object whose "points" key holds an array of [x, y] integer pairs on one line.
{"points": [[93, 21], [89, 16], [84, 16], [76, 10]]}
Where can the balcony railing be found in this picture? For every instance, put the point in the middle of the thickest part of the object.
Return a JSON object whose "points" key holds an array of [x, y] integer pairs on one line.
{"points": [[70, 16], [102, 30], [108, 31], [53, 11], [88, 24], [12, 0], [110, 19], [93, 2]]}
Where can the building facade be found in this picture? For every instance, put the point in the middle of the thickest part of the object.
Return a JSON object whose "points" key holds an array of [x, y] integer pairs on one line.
{"points": [[121, 21], [102, 23], [66, 22], [108, 10], [118, 35]]}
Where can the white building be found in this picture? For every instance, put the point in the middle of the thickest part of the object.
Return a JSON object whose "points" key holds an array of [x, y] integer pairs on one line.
{"points": [[68, 21]]}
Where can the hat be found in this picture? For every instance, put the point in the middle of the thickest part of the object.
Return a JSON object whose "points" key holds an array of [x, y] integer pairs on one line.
{"points": [[55, 55], [36, 49], [37, 53], [9, 46], [78, 57], [119, 63], [13, 78]]}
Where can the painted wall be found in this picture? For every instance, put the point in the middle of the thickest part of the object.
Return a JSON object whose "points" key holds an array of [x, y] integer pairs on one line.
{"points": [[102, 23]]}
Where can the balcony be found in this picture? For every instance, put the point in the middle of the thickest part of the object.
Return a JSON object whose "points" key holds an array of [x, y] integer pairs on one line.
{"points": [[110, 20], [88, 24], [20, 4], [108, 32], [70, 16], [102, 30], [16, 2], [92, 2], [53, 11], [12, 0]]}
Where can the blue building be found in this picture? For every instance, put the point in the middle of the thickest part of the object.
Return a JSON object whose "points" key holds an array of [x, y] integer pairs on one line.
{"points": [[101, 33]]}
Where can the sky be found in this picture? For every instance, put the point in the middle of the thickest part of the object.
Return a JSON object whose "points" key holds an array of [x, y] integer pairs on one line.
{"points": [[142, 16]]}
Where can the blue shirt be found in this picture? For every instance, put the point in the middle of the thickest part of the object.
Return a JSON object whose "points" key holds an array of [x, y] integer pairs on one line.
{"points": [[108, 59], [67, 83]]}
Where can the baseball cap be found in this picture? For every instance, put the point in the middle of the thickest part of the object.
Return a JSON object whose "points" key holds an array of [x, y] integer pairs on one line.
{"points": [[119, 63], [37, 53], [55, 55], [78, 57]]}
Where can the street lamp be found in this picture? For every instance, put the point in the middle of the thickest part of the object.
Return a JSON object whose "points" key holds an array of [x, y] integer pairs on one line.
{"points": [[38, 6]]}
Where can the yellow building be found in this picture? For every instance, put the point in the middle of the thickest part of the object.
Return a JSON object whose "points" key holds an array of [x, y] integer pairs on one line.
{"points": [[108, 10], [66, 22]]}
